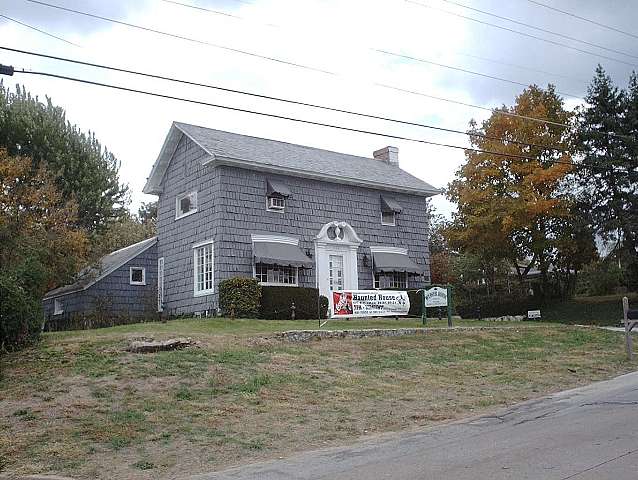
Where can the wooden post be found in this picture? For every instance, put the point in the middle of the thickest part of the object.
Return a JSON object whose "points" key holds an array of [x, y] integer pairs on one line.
{"points": [[424, 313], [449, 305], [628, 328]]}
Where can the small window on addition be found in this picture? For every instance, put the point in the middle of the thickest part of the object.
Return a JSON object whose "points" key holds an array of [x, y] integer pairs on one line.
{"points": [[185, 204], [138, 276], [58, 308]]}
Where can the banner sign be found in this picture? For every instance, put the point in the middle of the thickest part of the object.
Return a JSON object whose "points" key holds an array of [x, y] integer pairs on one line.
{"points": [[436, 297], [368, 303]]}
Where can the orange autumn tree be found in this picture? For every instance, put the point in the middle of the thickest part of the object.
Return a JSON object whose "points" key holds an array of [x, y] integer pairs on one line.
{"points": [[509, 207], [41, 245]]}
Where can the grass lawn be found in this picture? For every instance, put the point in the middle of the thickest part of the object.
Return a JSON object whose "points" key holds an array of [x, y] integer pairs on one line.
{"points": [[78, 404]]}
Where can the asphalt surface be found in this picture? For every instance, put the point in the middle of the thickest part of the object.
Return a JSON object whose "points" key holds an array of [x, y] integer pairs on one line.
{"points": [[582, 434]]}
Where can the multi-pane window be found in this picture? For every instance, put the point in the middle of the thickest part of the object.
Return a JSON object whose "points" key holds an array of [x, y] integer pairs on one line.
{"points": [[185, 204], [388, 218], [203, 263], [58, 308], [276, 274], [391, 280], [276, 203], [335, 276], [137, 276]]}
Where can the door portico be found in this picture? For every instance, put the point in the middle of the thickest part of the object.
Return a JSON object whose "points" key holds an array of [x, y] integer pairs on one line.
{"points": [[336, 248]]}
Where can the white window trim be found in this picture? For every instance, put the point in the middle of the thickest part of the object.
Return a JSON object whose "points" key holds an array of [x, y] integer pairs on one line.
{"points": [[58, 307], [394, 220], [179, 198], [130, 276], [269, 208], [275, 284], [202, 293], [160, 284]]}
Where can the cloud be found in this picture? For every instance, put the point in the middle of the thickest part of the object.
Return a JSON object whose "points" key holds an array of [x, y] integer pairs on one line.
{"points": [[331, 35]]}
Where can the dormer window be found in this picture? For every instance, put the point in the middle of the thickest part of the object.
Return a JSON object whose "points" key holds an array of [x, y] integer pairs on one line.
{"points": [[185, 204], [389, 211], [276, 195], [276, 203]]}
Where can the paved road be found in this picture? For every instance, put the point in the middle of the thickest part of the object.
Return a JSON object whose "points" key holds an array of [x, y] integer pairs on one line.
{"points": [[583, 434]]}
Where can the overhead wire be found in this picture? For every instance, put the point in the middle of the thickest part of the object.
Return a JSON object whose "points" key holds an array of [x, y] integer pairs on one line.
{"points": [[44, 32], [273, 98], [518, 32], [299, 120], [540, 29], [588, 20]]}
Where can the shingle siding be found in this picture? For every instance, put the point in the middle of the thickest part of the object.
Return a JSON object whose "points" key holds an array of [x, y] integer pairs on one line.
{"points": [[232, 205], [114, 293]]}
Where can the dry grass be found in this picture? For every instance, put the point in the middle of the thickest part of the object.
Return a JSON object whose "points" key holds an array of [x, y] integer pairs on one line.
{"points": [[79, 405]]}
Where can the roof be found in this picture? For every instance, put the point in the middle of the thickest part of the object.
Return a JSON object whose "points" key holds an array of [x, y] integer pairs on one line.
{"points": [[102, 268], [225, 148]]}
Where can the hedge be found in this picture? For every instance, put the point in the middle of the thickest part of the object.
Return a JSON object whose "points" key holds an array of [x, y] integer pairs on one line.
{"points": [[240, 297], [496, 306], [276, 303]]}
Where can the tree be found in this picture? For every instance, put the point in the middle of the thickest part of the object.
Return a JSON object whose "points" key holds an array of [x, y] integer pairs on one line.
{"points": [[121, 233], [606, 140], [82, 168], [147, 213], [40, 245], [509, 207]]}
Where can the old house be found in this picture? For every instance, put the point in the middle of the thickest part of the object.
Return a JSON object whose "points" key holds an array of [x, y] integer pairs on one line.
{"points": [[234, 205]]}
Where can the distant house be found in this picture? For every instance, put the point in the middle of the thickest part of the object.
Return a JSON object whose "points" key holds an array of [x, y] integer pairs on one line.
{"points": [[290, 215], [122, 284]]}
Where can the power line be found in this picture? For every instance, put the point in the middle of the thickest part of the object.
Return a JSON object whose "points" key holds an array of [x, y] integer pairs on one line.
{"points": [[485, 59], [518, 32], [493, 110], [593, 22], [459, 69], [40, 30], [540, 29], [278, 99], [294, 119], [181, 37]]}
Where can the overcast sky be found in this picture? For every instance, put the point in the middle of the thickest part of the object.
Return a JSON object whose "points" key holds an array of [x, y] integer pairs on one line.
{"points": [[335, 36]]}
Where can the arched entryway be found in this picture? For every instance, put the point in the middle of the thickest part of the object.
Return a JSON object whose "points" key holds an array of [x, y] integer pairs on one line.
{"points": [[336, 248]]}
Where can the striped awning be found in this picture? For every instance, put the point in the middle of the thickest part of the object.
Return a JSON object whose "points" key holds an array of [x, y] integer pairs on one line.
{"points": [[284, 254], [395, 262]]}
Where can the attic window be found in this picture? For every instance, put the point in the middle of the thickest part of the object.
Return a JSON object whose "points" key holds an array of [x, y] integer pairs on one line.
{"points": [[138, 276], [389, 210], [276, 195], [185, 204]]}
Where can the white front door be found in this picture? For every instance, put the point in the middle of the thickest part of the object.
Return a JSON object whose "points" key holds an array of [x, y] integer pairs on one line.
{"points": [[336, 258]]}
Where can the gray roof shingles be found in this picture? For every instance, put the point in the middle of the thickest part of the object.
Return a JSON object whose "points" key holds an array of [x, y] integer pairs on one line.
{"points": [[298, 158], [103, 267]]}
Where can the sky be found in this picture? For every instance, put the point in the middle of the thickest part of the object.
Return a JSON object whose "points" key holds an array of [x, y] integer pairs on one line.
{"points": [[337, 44]]}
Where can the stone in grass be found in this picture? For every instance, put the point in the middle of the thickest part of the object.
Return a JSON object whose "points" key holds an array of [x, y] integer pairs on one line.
{"points": [[146, 346]]}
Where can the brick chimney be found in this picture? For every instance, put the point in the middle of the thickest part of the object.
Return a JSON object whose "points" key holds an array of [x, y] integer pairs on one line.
{"points": [[388, 154]]}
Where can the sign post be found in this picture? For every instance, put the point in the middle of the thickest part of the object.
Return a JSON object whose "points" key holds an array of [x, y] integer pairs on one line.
{"points": [[437, 296]]}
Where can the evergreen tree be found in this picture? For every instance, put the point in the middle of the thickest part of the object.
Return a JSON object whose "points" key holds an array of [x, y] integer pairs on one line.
{"points": [[82, 168], [607, 194]]}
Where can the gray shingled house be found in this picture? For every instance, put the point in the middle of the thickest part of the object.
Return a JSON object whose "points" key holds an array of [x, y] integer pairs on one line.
{"points": [[120, 286], [233, 205]]}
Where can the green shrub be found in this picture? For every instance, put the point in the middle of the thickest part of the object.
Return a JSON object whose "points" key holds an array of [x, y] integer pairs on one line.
{"points": [[240, 296], [496, 306], [276, 303], [20, 314], [600, 278], [324, 305]]}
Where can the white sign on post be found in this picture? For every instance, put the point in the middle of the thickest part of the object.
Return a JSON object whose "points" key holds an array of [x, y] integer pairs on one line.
{"points": [[368, 303], [436, 297], [533, 314]]}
